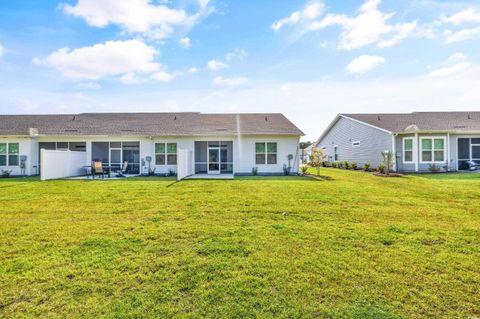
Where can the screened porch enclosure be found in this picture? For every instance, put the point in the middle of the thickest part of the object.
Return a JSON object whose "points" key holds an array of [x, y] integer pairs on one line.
{"points": [[468, 150], [213, 157], [113, 154]]}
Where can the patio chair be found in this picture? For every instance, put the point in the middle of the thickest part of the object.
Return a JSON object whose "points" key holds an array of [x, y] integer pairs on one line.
{"points": [[97, 169], [121, 172], [473, 166]]}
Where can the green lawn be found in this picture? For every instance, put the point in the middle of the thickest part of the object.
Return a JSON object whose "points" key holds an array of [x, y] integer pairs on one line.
{"points": [[353, 246]]}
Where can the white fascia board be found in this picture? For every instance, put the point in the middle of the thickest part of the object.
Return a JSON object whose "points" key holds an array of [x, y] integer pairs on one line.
{"points": [[329, 127]]}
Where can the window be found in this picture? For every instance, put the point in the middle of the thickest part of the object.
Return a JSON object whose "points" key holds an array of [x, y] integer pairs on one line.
{"points": [[335, 153], [265, 153], [165, 153], [356, 143], [9, 154], [408, 150], [433, 150], [171, 153], [3, 154], [62, 146]]}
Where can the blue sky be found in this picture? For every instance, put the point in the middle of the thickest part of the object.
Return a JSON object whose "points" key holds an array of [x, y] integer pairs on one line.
{"points": [[307, 59]]}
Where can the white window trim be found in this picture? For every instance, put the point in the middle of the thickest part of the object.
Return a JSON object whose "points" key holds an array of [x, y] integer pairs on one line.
{"points": [[266, 153], [420, 150], [165, 153], [413, 150], [7, 154]]}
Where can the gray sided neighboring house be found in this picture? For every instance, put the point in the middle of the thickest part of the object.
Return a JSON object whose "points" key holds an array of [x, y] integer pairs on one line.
{"points": [[447, 140]]}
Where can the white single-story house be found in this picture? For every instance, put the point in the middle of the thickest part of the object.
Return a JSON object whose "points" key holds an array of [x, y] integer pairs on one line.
{"points": [[447, 140], [217, 143]]}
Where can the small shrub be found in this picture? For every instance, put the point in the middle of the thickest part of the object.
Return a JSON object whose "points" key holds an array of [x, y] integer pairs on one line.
{"points": [[434, 168], [303, 169], [324, 164], [255, 171], [366, 167], [340, 164], [381, 168], [346, 164], [328, 164], [286, 170], [354, 165], [334, 164], [171, 172], [6, 173]]}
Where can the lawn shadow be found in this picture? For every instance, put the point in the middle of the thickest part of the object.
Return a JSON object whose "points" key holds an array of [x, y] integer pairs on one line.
{"points": [[303, 178], [19, 179], [466, 176]]}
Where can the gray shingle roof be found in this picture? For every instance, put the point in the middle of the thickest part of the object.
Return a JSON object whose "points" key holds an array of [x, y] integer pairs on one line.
{"points": [[422, 121], [148, 124]]}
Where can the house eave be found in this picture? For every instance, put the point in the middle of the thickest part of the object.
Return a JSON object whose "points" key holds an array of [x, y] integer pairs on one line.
{"points": [[438, 132]]}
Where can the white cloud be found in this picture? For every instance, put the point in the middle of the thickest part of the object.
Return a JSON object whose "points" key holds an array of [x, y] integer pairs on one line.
{"points": [[404, 30], [237, 54], [162, 76], [457, 57], [364, 63], [465, 16], [450, 70], [1, 50], [462, 35], [369, 26], [136, 16], [185, 42], [230, 82], [214, 65], [193, 70], [105, 59], [90, 86], [310, 11], [456, 64], [129, 78]]}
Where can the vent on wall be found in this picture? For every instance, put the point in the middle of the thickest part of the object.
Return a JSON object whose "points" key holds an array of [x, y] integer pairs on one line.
{"points": [[355, 143]]}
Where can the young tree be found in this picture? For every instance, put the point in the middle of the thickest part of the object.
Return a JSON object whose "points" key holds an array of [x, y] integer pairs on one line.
{"points": [[316, 158], [388, 160], [303, 147]]}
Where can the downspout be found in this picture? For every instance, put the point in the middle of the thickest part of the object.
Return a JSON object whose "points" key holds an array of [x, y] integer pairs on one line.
{"points": [[394, 150], [448, 152], [416, 152]]}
